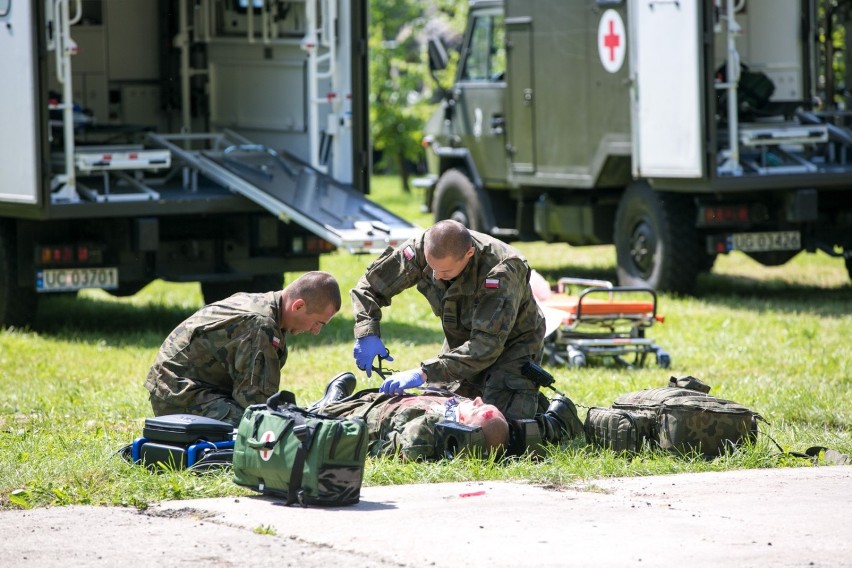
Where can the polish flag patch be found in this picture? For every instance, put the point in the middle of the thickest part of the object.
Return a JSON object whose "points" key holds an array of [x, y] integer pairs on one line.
{"points": [[276, 342], [408, 252], [492, 283]]}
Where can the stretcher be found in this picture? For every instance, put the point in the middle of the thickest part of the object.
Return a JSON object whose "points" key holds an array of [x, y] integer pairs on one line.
{"points": [[601, 321]]}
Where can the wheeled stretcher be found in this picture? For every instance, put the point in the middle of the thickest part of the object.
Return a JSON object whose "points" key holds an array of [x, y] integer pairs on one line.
{"points": [[600, 321]]}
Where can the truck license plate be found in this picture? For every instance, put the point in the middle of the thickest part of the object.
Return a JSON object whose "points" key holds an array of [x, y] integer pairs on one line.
{"points": [[762, 242], [68, 279]]}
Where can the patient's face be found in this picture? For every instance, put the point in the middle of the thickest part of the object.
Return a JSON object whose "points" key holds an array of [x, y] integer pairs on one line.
{"points": [[475, 411]]}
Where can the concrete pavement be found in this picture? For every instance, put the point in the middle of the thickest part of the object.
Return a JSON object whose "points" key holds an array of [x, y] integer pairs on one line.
{"points": [[772, 517]]}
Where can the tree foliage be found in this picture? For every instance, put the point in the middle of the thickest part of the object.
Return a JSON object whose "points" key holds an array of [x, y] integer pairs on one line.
{"points": [[401, 91]]}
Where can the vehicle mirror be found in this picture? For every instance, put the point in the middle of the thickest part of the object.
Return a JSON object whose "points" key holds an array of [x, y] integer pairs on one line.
{"points": [[438, 58]]}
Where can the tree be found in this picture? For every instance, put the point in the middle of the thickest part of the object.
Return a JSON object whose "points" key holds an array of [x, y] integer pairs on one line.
{"points": [[401, 91], [397, 69]]}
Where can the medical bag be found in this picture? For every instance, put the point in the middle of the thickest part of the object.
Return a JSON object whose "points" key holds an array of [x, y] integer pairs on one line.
{"points": [[306, 458]]}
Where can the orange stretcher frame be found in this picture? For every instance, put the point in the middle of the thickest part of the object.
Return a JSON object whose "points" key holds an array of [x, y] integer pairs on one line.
{"points": [[596, 323]]}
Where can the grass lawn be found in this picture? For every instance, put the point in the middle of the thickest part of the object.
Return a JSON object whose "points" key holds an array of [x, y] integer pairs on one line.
{"points": [[773, 339]]}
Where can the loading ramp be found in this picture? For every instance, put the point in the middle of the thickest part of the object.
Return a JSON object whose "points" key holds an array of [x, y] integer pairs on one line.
{"points": [[290, 189]]}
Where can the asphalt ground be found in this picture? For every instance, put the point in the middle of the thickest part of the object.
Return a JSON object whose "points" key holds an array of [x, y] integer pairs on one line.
{"points": [[766, 517]]}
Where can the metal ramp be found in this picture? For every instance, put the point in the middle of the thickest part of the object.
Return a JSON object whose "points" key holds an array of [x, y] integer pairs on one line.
{"points": [[291, 190]]}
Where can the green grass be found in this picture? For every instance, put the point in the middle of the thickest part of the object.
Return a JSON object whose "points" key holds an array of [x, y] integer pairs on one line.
{"points": [[773, 339]]}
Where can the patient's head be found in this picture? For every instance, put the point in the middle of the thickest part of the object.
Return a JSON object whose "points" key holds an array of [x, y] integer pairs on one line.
{"points": [[486, 416]]}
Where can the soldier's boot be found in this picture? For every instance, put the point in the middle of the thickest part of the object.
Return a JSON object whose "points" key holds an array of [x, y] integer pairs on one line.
{"points": [[337, 388], [560, 421], [549, 428]]}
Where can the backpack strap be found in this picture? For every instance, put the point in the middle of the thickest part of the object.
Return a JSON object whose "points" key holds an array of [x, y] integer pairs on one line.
{"points": [[815, 454], [305, 434]]}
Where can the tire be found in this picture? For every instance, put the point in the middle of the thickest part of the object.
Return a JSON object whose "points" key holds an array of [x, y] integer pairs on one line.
{"points": [[656, 243], [707, 262], [215, 291], [456, 199], [17, 304]]}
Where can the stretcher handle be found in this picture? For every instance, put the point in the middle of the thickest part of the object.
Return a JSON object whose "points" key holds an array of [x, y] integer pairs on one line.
{"points": [[560, 284], [612, 290]]}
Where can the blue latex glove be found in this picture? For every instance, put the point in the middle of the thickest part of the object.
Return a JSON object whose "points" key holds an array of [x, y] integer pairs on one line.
{"points": [[365, 351], [398, 382]]}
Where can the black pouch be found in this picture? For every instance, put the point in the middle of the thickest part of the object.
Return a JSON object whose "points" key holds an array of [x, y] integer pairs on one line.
{"points": [[453, 439], [525, 438], [619, 430]]}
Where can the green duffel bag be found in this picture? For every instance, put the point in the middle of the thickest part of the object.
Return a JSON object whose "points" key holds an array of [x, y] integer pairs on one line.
{"points": [[688, 420], [310, 459]]}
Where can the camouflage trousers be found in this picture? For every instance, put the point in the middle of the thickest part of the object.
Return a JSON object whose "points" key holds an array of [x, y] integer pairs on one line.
{"points": [[212, 406], [506, 388]]}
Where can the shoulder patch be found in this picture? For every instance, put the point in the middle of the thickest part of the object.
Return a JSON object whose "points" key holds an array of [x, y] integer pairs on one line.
{"points": [[408, 252], [276, 342], [492, 283]]}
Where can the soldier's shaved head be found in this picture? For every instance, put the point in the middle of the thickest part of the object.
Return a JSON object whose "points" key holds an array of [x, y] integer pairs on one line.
{"points": [[494, 427], [318, 289], [447, 239]]}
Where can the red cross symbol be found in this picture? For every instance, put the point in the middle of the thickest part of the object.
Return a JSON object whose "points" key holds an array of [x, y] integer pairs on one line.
{"points": [[611, 40], [268, 436]]}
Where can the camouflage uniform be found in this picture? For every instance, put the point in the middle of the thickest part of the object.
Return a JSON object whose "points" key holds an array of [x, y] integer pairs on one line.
{"points": [[398, 425], [492, 324], [225, 357]]}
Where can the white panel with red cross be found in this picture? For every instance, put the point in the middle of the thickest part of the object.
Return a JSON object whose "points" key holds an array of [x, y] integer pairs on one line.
{"points": [[612, 41]]}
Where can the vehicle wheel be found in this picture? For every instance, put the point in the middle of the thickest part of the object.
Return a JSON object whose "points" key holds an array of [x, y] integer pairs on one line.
{"points": [[17, 304], [215, 291], [707, 262], [656, 243], [455, 198]]}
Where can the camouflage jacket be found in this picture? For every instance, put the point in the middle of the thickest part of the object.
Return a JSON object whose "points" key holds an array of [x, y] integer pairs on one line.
{"points": [[234, 347], [487, 312], [398, 425]]}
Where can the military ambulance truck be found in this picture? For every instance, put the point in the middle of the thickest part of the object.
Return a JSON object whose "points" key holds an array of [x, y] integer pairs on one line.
{"points": [[214, 141], [675, 130]]}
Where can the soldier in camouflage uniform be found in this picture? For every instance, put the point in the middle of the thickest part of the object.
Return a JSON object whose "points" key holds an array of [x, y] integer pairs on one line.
{"points": [[405, 425], [479, 287], [229, 354]]}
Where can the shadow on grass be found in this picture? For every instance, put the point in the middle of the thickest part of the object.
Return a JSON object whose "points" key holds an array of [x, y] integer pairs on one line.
{"points": [[92, 320], [741, 292]]}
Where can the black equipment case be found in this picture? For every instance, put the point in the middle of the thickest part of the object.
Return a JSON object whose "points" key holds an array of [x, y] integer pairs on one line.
{"points": [[184, 441]]}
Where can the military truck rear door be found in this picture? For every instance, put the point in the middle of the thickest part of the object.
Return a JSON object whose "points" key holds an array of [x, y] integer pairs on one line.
{"points": [[480, 94], [665, 69], [18, 103], [520, 95]]}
